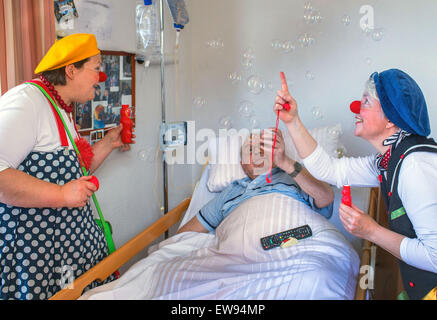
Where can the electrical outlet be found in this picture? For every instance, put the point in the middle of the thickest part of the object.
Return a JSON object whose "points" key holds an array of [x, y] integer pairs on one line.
{"points": [[173, 134]]}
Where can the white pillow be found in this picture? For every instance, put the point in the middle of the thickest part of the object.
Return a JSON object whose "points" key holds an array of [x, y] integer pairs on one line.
{"points": [[225, 156], [224, 153]]}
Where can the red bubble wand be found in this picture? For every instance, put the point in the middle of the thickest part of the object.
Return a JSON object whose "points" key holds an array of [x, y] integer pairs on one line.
{"points": [[287, 107]]}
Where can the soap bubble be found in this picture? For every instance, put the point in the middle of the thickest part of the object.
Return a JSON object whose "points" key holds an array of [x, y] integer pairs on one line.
{"points": [[288, 46], [146, 155], [305, 40], [276, 44], [340, 151], [377, 34], [368, 60], [308, 6], [309, 75], [335, 131], [226, 122], [346, 20], [142, 155], [255, 84], [249, 53], [317, 113], [269, 85], [368, 31], [245, 108], [248, 58], [254, 124], [316, 17], [235, 77], [308, 16], [247, 63], [215, 44], [199, 102]]}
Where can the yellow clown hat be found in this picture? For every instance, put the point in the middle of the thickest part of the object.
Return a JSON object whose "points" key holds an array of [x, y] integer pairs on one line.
{"points": [[68, 50]]}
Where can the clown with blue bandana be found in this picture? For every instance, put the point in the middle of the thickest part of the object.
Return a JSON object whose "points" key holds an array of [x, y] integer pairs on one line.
{"points": [[392, 115]]}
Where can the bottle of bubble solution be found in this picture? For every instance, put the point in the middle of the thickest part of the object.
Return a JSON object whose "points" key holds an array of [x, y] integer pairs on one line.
{"points": [[126, 121], [346, 192], [148, 41]]}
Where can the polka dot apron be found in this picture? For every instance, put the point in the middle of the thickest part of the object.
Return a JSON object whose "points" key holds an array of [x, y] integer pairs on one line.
{"points": [[42, 250]]}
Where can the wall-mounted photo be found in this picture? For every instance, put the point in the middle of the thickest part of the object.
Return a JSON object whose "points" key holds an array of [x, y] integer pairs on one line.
{"points": [[83, 116], [125, 67], [103, 112], [96, 136]]}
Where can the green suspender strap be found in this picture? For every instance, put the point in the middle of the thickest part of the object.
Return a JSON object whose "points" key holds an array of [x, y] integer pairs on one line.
{"points": [[105, 226]]}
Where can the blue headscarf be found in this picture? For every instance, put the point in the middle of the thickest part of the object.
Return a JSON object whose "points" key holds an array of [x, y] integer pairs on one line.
{"points": [[402, 101]]}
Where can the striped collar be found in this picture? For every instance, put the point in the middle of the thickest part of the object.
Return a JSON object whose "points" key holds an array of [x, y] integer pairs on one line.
{"points": [[392, 141]]}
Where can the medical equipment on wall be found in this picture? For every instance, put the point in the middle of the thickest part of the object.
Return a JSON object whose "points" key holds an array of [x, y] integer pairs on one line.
{"points": [[173, 135], [179, 14], [148, 38], [148, 41], [150, 51]]}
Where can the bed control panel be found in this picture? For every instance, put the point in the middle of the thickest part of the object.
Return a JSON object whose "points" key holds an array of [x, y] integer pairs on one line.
{"points": [[275, 240]]}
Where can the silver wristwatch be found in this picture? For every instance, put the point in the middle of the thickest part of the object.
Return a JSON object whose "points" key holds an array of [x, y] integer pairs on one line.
{"points": [[297, 169]]}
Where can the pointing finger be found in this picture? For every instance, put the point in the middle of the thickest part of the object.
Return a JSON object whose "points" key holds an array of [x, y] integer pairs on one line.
{"points": [[284, 84]]}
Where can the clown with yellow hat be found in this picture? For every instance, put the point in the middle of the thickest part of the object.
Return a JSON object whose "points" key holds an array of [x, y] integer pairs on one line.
{"points": [[68, 50], [41, 175]]}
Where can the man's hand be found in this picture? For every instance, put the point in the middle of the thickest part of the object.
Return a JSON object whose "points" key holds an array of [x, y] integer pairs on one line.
{"points": [[280, 159], [283, 96], [357, 222]]}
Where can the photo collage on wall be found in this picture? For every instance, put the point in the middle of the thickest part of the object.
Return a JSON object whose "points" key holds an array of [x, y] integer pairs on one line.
{"points": [[103, 111]]}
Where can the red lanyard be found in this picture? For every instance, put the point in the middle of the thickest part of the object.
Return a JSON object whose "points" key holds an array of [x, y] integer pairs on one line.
{"points": [[269, 179]]}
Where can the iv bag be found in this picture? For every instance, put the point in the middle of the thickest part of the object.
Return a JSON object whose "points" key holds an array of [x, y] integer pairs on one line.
{"points": [[178, 12], [148, 40]]}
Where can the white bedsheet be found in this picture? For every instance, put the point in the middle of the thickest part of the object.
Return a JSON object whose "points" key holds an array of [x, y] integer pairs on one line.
{"points": [[231, 264]]}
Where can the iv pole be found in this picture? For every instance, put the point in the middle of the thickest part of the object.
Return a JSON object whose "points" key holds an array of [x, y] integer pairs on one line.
{"points": [[162, 63]]}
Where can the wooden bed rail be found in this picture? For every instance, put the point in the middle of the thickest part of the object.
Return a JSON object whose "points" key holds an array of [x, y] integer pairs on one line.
{"points": [[122, 255], [376, 207]]}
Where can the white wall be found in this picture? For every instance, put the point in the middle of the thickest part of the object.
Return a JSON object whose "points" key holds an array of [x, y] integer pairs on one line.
{"points": [[338, 60]]}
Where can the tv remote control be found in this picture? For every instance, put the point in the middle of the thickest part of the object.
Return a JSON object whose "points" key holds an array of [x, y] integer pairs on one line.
{"points": [[275, 240]]}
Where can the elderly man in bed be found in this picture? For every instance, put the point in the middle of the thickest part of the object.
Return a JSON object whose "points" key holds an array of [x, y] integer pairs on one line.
{"points": [[288, 178]]}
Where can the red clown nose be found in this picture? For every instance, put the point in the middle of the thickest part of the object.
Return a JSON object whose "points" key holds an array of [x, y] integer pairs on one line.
{"points": [[355, 107], [102, 76]]}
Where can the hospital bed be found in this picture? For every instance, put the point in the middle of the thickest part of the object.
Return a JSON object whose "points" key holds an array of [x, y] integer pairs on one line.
{"points": [[360, 269]]}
